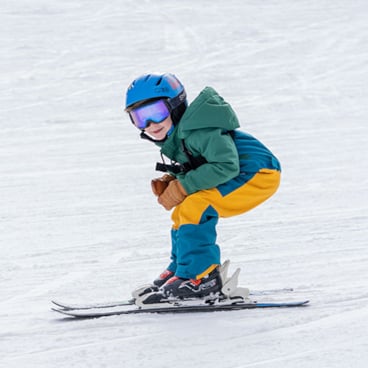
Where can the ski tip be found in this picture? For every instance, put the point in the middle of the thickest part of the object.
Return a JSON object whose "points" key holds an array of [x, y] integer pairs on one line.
{"points": [[70, 314], [62, 311], [59, 304]]}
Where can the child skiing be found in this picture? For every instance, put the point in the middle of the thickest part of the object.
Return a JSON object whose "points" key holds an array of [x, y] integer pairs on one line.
{"points": [[213, 170]]}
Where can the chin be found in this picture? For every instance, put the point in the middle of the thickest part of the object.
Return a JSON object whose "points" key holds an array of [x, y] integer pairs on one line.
{"points": [[159, 136]]}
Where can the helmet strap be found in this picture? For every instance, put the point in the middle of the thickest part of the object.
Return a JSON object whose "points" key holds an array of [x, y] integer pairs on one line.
{"points": [[143, 135]]}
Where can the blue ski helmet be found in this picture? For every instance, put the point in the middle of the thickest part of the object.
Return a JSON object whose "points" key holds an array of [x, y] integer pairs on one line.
{"points": [[154, 86]]}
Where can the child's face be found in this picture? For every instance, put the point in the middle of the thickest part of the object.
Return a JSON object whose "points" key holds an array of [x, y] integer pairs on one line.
{"points": [[159, 131]]}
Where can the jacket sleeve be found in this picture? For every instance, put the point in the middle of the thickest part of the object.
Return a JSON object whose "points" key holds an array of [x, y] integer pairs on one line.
{"points": [[222, 160]]}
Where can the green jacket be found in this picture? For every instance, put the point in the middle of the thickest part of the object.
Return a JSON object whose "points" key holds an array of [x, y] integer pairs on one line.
{"points": [[204, 127]]}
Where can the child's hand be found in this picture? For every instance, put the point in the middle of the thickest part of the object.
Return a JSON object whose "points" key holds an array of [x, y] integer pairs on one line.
{"points": [[159, 185], [173, 195]]}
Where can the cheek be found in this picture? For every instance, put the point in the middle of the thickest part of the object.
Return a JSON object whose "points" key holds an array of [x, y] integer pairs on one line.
{"points": [[168, 125]]}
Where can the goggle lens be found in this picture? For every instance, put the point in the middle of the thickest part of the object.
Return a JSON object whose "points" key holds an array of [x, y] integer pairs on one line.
{"points": [[154, 112]]}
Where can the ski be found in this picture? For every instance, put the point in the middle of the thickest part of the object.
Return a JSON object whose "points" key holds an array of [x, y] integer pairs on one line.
{"points": [[120, 303], [72, 306], [174, 308]]}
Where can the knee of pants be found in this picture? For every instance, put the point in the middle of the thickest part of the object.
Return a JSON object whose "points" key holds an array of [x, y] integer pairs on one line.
{"points": [[195, 206]]}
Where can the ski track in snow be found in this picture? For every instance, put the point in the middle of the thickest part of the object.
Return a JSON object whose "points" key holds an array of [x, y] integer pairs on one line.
{"points": [[78, 221]]}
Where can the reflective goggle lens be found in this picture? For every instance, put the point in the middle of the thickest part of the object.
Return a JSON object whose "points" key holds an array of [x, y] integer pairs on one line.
{"points": [[154, 112]]}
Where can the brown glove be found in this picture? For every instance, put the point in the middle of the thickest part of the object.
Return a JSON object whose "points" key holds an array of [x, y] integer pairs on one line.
{"points": [[173, 195], [158, 185]]}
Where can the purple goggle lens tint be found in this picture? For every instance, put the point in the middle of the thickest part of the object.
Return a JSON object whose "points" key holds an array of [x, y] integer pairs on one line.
{"points": [[155, 112]]}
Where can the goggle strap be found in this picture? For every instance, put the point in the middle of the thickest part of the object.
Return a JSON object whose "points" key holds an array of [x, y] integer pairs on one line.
{"points": [[178, 100]]}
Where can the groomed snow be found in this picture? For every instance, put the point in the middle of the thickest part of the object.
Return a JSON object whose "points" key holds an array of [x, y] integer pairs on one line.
{"points": [[77, 219]]}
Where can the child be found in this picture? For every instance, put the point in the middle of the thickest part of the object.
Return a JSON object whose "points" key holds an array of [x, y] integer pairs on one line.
{"points": [[215, 171]]}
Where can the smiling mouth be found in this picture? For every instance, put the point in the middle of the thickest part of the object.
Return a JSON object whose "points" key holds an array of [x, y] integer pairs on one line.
{"points": [[157, 131]]}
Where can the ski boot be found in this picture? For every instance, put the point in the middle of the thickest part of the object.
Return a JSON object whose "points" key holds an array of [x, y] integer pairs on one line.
{"points": [[208, 287], [216, 286], [154, 287]]}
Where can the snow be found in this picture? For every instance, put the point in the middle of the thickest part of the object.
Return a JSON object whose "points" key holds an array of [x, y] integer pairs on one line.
{"points": [[78, 221]]}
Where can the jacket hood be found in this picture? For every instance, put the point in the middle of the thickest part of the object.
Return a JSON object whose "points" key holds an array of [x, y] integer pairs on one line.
{"points": [[208, 110]]}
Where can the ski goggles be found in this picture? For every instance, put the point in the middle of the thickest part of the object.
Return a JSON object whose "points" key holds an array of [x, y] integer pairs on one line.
{"points": [[154, 112]]}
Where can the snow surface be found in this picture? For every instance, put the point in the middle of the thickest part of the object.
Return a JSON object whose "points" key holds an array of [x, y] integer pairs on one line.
{"points": [[78, 221]]}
